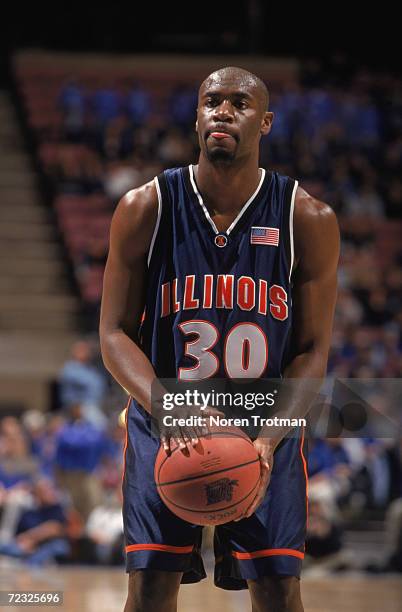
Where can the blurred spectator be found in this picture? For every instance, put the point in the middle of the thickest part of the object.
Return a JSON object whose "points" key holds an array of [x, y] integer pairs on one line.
{"points": [[107, 104], [80, 382], [120, 178], [139, 104], [80, 448], [42, 429], [115, 140], [324, 536], [40, 533], [104, 530], [364, 202], [16, 462], [174, 149], [72, 101], [182, 106]]}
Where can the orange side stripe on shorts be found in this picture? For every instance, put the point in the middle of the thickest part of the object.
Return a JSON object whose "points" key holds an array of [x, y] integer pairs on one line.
{"points": [[305, 472], [126, 438], [160, 547], [268, 552]]}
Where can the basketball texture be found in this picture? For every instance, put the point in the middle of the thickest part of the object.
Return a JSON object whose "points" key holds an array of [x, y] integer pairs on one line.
{"points": [[215, 483]]}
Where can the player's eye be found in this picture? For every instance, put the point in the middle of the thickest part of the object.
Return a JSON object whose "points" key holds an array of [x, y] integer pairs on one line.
{"points": [[242, 104], [211, 102]]}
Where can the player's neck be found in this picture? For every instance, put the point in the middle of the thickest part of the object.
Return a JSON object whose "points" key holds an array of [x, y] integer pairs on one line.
{"points": [[226, 188]]}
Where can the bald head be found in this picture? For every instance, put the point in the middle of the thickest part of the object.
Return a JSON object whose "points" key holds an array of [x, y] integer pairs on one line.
{"points": [[240, 78], [232, 116]]}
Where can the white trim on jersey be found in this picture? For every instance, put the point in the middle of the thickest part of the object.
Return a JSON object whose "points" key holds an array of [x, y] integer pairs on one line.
{"points": [[201, 201], [247, 204], [243, 210], [292, 207], [158, 220]]}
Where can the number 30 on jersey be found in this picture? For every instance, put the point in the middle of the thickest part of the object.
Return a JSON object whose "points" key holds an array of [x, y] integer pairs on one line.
{"points": [[245, 350]]}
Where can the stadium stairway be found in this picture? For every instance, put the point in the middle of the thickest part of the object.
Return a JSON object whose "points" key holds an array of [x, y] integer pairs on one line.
{"points": [[38, 310]]}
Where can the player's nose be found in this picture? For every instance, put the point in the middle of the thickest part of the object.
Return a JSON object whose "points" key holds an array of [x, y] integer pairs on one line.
{"points": [[224, 112]]}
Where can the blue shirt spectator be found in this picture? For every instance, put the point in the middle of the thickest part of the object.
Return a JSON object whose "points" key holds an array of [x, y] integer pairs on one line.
{"points": [[107, 104], [81, 382], [139, 104], [80, 446]]}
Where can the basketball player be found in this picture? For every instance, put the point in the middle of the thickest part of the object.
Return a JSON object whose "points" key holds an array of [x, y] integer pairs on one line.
{"points": [[222, 255]]}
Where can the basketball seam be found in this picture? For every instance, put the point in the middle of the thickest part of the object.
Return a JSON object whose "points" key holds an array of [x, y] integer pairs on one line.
{"points": [[215, 433], [233, 467]]}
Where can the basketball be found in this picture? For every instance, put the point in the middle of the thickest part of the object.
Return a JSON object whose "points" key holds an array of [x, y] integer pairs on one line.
{"points": [[215, 483]]}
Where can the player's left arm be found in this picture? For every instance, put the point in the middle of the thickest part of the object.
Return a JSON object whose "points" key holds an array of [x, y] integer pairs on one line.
{"points": [[316, 247]]}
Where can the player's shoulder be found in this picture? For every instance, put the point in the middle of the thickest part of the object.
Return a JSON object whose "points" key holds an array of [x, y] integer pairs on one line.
{"points": [[138, 208], [309, 212], [315, 225], [140, 200], [134, 219]]}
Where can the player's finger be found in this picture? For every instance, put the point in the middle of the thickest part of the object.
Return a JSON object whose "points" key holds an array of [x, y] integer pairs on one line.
{"points": [[183, 441], [194, 438], [165, 441], [192, 435], [180, 442]]}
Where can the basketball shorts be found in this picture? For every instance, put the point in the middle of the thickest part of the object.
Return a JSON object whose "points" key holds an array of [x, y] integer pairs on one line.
{"points": [[270, 542]]}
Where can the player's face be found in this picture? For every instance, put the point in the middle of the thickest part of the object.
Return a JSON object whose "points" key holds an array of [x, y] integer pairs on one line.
{"points": [[230, 118]]}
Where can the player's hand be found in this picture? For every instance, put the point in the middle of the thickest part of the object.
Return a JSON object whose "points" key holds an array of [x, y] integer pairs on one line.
{"points": [[265, 448], [185, 436]]}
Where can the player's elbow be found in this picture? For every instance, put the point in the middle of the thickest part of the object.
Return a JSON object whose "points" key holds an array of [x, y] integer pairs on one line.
{"points": [[319, 358], [313, 357], [107, 346]]}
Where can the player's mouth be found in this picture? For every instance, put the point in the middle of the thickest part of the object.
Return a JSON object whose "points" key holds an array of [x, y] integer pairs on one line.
{"points": [[221, 135]]}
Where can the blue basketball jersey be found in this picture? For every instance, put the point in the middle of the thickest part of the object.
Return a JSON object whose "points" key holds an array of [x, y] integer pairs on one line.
{"points": [[218, 304]]}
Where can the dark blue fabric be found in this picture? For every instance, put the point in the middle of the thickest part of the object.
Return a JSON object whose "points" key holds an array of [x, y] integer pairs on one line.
{"points": [[9, 479], [42, 514]]}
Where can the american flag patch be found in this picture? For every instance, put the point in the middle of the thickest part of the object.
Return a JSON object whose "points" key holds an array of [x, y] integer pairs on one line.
{"points": [[264, 235]]}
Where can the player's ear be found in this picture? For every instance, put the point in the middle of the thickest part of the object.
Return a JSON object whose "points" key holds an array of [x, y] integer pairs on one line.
{"points": [[266, 123], [196, 126]]}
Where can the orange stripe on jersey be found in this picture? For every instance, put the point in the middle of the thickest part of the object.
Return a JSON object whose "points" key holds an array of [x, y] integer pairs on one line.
{"points": [[181, 550], [268, 552], [305, 471]]}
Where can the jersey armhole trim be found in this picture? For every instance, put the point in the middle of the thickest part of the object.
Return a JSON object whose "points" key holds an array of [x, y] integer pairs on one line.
{"points": [[291, 238], [158, 220]]}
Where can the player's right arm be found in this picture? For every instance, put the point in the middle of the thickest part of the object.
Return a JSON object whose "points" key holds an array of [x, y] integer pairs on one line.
{"points": [[123, 296], [123, 300]]}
